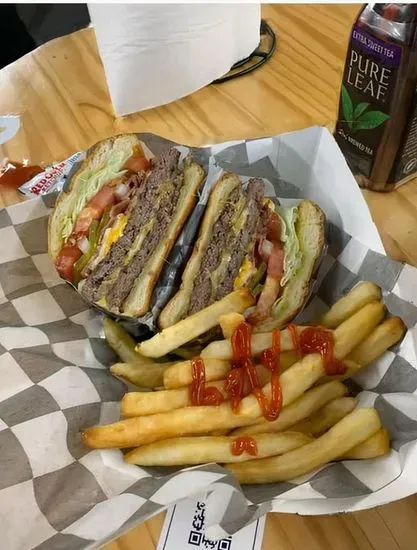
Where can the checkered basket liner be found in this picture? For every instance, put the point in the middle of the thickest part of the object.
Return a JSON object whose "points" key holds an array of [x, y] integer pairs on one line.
{"points": [[56, 493]]}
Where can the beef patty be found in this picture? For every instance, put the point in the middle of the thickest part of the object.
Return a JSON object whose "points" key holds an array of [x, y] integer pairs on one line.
{"points": [[167, 205], [224, 240], [143, 205]]}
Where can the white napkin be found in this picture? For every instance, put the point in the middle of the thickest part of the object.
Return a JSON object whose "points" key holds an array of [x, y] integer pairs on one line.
{"points": [[156, 53]]}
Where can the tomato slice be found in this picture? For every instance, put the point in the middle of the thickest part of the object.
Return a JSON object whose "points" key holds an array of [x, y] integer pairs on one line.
{"points": [[271, 289], [94, 210], [137, 163], [276, 262], [101, 200], [66, 259], [273, 231], [83, 222]]}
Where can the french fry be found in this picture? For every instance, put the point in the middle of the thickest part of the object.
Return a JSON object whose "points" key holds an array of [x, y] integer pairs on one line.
{"points": [[353, 429], [142, 375], [122, 343], [351, 369], [222, 349], [142, 404], [180, 374], [362, 322], [326, 417], [195, 325], [200, 450], [183, 353], [361, 295], [199, 420], [381, 338], [298, 410], [374, 446], [161, 401], [287, 360], [229, 322]]}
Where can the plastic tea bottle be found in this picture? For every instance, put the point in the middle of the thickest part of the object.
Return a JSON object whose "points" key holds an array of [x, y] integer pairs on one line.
{"points": [[377, 121]]}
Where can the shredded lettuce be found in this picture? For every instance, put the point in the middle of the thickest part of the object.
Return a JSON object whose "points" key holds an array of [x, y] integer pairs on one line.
{"points": [[293, 256], [90, 182]]}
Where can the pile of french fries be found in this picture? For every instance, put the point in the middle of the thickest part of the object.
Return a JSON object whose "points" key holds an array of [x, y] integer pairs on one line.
{"points": [[318, 423]]}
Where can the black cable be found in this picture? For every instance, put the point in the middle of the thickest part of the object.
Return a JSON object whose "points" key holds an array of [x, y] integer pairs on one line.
{"points": [[265, 29]]}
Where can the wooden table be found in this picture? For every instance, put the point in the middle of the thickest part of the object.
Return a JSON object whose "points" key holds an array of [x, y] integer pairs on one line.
{"points": [[61, 95]]}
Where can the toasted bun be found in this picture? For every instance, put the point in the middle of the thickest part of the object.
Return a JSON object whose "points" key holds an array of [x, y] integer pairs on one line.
{"points": [[138, 301], [310, 230], [128, 144], [177, 307]]}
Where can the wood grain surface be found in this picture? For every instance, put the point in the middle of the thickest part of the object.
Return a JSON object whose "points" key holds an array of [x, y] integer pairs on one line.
{"points": [[60, 93]]}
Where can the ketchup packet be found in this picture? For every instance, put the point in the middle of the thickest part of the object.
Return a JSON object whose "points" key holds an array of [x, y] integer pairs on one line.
{"points": [[52, 178]]}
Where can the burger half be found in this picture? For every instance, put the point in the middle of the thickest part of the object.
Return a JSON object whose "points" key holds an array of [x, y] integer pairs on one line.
{"points": [[112, 230], [245, 240]]}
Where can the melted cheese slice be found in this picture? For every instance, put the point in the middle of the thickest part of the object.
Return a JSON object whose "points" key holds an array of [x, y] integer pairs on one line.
{"points": [[114, 233], [110, 236], [269, 203], [138, 242], [247, 269], [221, 268]]}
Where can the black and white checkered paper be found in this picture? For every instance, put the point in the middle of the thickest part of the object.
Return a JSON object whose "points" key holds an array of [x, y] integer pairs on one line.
{"points": [[56, 493]]}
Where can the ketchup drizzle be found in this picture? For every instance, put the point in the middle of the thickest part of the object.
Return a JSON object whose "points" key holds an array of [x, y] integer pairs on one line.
{"points": [[243, 444], [318, 340], [199, 393], [243, 375], [243, 370]]}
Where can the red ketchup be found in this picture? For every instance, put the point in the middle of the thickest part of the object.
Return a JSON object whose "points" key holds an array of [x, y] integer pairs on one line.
{"points": [[270, 360], [199, 393], [244, 444], [243, 374], [318, 340], [243, 370], [16, 174]]}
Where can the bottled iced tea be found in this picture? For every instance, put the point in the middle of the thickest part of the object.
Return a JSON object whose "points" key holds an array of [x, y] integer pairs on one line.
{"points": [[377, 120]]}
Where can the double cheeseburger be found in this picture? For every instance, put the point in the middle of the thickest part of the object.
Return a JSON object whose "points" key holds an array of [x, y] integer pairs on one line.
{"points": [[247, 241], [112, 230]]}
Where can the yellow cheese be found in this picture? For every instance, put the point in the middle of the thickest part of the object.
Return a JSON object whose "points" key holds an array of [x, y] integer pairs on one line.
{"points": [[114, 233], [240, 211], [138, 242], [110, 236], [269, 203], [240, 222], [217, 273], [247, 269], [102, 302]]}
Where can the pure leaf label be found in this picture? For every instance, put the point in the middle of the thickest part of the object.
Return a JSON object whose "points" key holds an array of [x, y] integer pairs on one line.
{"points": [[347, 105], [371, 119], [359, 109], [369, 85]]}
